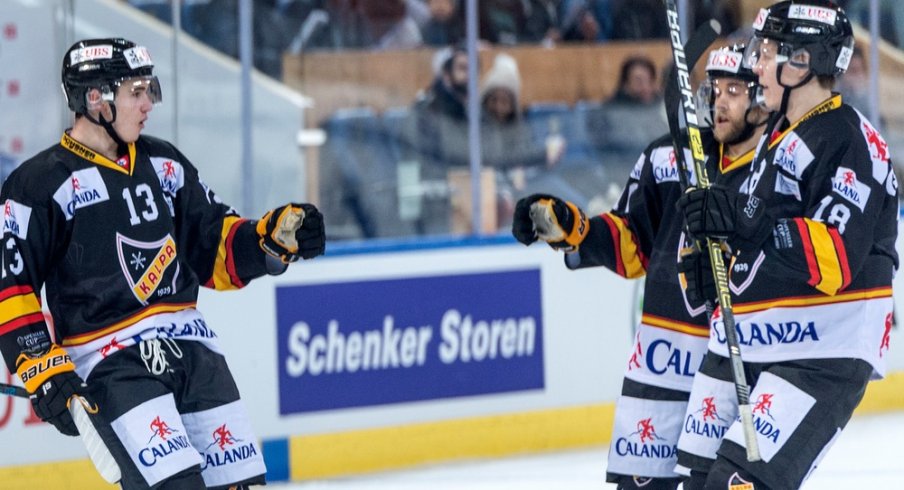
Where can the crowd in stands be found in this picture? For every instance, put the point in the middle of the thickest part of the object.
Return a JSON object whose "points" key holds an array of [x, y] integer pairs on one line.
{"points": [[297, 26], [387, 174]]}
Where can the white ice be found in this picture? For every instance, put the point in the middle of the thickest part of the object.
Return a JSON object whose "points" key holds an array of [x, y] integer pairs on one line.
{"points": [[869, 454]]}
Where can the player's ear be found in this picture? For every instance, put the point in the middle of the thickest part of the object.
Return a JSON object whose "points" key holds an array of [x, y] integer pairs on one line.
{"points": [[94, 99]]}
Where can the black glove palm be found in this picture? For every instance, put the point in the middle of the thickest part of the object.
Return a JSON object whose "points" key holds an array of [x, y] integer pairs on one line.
{"points": [[311, 236], [51, 400]]}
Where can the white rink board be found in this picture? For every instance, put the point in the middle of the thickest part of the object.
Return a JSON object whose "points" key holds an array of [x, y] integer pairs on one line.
{"points": [[587, 333]]}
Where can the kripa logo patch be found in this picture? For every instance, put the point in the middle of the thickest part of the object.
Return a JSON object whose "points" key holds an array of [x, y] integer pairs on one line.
{"points": [[145, 265], [84, 188]]}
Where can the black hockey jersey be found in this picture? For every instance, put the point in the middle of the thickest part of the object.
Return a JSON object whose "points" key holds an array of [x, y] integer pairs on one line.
{"points": [[822, 287], [120, 249], [642, 236]]}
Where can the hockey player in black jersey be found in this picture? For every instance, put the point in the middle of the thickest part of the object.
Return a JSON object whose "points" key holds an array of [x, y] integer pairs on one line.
{"points": [[644, 235], [812, 233], [120, 231]]}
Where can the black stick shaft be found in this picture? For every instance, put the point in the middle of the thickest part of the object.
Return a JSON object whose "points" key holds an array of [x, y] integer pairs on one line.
{"points": [[689, 108]]}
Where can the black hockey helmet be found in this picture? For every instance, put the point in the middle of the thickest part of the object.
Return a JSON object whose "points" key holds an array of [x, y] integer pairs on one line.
{"points": [[819, 27], [103, 64]]}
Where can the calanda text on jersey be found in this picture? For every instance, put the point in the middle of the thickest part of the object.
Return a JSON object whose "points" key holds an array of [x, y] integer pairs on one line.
{"points": [[121, 248]]}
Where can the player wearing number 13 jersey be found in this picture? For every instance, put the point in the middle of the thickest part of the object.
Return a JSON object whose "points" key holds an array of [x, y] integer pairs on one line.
{"points": [[120, 231]]}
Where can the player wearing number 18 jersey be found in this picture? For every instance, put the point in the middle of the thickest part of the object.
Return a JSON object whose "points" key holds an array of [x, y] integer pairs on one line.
{"points": [[812, 230]]}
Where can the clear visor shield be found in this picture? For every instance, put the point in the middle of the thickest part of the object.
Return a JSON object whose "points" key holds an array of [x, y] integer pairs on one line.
{"points": [[762, 50], [712, 88], [137, 87]]}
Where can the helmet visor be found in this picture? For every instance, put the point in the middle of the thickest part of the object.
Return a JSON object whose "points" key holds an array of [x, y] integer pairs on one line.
{"points": [[764, 50], [714, 86], [138, 86]]}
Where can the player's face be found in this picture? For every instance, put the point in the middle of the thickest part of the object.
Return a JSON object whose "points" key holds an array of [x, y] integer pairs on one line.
{"points": [[730, 103], [766, 69], [794, 68], [135, 98]]}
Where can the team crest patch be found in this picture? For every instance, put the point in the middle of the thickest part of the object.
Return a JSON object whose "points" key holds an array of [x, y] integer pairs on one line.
{"points": [[145, 265], [738, 483]]}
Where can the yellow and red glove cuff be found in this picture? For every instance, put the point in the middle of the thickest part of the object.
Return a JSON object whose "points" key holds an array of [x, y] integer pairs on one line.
{"points": [[579, 227], [34, 371]]}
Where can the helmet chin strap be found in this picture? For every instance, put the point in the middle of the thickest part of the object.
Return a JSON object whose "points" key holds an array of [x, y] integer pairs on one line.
{"points": [[108, 126], [786, 95]]}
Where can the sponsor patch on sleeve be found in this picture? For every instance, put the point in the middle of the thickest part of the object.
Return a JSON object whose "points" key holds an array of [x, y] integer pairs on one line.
{"points": [[15, 218], [84, 188], [849, 187]]}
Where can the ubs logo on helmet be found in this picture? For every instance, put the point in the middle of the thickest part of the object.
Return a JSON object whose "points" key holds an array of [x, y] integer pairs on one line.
{"points": [[91, 53]]}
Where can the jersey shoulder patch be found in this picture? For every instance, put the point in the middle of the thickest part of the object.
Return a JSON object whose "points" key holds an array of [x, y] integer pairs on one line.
{"points": [[83, 188]]}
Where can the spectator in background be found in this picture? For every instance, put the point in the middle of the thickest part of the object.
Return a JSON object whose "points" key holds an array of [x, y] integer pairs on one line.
{"points": [[446, 24], [436, 136], [502, 21], [507, 143], [448, 93], [637, 100], [586, 20], [580, 25], [854, 84], [639, 19], [543, 23], [387, 25]]}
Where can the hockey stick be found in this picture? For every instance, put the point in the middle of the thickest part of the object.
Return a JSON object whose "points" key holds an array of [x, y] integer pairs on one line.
{"points": [[81, 409], [13, 390], [715, 250], [694, 49]]}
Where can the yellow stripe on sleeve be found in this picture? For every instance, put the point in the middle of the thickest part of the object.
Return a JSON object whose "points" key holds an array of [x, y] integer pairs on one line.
{"points": [[627, 251], [18, 306], [221, 277], [830, 272]]}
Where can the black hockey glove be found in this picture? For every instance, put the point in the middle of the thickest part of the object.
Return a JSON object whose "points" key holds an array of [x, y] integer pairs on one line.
{"points": [[722, 213], [292, 232], [51, 380], [311, 236], [559, 223], [700, 286]]}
